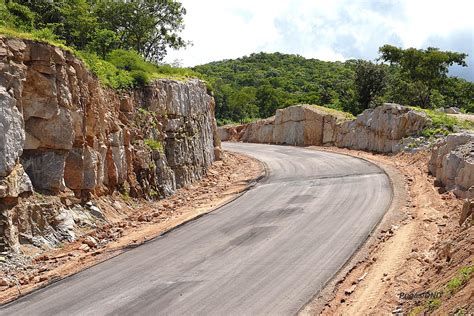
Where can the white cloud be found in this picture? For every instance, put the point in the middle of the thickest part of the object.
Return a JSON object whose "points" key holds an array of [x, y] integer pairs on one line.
{"points": [[328, 30]]}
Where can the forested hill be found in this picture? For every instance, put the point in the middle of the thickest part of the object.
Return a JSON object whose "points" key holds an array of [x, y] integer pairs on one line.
{"points": [[256, 85]]}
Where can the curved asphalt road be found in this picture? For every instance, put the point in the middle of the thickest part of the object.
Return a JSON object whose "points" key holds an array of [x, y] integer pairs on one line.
{"points": [[267, 252]]}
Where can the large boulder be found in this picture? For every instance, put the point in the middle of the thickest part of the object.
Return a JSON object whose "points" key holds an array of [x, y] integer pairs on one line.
{"points": [[229, 132], [54, 133], [381, 129], [452, 163], [45, 169]]}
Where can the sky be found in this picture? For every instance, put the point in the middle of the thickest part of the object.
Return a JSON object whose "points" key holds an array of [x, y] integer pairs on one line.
{"points": [[328, 30]]}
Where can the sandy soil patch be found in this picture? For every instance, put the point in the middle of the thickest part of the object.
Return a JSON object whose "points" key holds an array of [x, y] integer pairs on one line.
{"points": [[420, 249]]}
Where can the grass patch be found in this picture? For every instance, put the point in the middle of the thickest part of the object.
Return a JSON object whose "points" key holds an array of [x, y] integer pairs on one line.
{"points": [[442, 124], [456, 283], [451, 288], [433, 304], [340, 115], [42, 36], [154, 144], [416, 311]]}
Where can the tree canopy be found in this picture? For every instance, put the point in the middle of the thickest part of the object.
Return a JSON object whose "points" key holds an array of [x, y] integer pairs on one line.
{"points": [[149, 27], [427, 69], [121, 41]]}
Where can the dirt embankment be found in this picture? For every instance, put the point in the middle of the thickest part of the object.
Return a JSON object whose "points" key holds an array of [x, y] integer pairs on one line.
{"points": [[420, 261], [137, 222]]}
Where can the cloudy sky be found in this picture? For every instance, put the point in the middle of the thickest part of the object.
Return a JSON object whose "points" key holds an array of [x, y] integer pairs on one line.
{"points": [[324, 29]]}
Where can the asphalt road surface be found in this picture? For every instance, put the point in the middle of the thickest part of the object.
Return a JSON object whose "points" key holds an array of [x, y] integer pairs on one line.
{"points": [[267, 252]]}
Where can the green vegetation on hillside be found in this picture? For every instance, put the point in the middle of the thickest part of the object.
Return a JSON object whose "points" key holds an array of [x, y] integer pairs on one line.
{"points": [[443, 124], [120, 41], [256, 85]]}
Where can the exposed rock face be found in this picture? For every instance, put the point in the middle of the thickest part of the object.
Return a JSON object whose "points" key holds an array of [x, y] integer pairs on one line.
{"points": [[12, 134], [452, 162], [380, 129], [260, 131], [68, 132], [229, 133], [300, 125]]}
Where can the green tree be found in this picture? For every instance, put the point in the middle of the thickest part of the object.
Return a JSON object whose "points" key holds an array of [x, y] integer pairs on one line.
{"points": [[103, 42], [268, 100], [20, 16], [242, 104], [427, 69], [149, 26], [370, 82]]}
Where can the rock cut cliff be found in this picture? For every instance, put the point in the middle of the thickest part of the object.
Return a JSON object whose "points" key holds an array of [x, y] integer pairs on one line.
{"points": [[379, 130], [60, 129]]}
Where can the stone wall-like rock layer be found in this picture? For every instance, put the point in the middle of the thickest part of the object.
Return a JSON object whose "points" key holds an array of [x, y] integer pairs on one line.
{"points": [[68, 131], [378, 130]]}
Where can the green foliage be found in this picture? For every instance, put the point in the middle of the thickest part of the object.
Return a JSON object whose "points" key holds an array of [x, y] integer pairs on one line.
{"points": [[113, 37], [451, 288], [39, 36], [47, 34], [424, 69], [433, 304], [456, 283], [103, 42], [257, 85], [22, 17], [148, 27], [370, 81], [416, 311], [153, 144], [107, 72], [443, 124]]}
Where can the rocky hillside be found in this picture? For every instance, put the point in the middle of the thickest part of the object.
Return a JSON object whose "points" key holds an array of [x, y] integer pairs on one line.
{"points": [[60, 130]]}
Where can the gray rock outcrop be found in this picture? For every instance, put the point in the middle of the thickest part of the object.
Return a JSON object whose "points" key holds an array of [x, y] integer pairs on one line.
{"points": [[452, 163], [260, 131], [71, 132], [12, 134], [60, 129], [379, 130]]}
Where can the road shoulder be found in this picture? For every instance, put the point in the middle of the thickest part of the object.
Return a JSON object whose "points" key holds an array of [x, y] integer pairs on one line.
{"points": [[405, 253]]}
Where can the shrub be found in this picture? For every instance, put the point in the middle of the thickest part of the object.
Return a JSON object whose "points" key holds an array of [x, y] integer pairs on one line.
{"points": [[130, 60], [107, 72], [23, 17], [154, 144], [457, 282], [442, 123], [46, 34]]}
